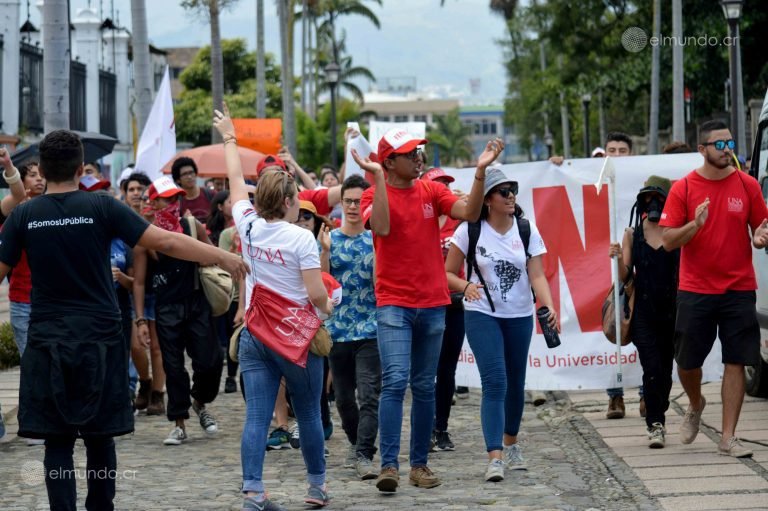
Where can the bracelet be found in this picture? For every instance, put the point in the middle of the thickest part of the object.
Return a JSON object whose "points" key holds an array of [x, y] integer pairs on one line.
{"points": [[140, 321], [465, 287], [12, 180], [230, 139], [480, 178]]}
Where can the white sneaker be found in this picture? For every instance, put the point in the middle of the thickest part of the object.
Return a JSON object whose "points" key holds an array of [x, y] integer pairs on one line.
{"points": [[691, 422], [176, 437], [495, 471], [207, 420], [513, 457], [34, 441], [351, 457], [656, 436]]}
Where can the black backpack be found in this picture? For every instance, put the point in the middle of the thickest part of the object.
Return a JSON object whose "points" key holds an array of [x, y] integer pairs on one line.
{"points": [[473, 228]]}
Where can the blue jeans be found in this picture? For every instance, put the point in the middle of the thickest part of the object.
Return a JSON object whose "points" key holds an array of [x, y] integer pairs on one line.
{"points": [[409, 347], [619, 392], [261, 369], [20, 323], [501, 347]]}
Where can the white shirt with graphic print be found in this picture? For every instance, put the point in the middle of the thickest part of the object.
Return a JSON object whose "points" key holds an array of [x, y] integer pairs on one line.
{"points": [[502, 261], [275, 252]]}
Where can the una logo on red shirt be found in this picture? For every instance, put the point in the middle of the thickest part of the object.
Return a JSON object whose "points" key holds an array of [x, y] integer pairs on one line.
{"points": [[429, 211], [735, 204]]}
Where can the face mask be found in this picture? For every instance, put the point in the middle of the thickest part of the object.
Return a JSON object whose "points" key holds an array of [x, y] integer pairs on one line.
{"points": [[168, 217], [654, 209]]}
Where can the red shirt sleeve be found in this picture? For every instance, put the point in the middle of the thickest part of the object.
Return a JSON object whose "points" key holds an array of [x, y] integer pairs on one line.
{"points": [[675, 212], [366, 205], [758, 210], [319, 198], [445, 197]]}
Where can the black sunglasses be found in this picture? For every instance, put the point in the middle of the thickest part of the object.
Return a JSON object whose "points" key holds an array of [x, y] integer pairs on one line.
{"points": [[507, 190], [306, 215], [721, 144]]}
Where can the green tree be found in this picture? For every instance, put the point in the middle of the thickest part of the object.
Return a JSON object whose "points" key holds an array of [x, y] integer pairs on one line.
{"points": [[451, 137], [193, 111], [314, 139]]}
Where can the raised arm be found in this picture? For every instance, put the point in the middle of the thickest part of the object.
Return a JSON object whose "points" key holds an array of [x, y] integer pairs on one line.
{"points": [[223, 123], [181, 246], [380, 214], [470, 210], [15, 184], [300, 174]]}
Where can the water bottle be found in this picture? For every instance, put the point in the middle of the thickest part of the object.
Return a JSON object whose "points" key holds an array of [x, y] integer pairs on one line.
{"points": [[550, 334]]}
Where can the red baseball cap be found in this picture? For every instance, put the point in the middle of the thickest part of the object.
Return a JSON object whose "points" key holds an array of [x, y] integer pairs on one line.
{"points": [[397, 141], [269, 160], [164, 187], [436, 173], [91, 184]]}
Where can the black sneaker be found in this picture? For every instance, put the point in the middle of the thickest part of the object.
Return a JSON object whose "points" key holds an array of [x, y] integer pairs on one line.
{"points": [[229, 385], [443, 441], [462, 392], [207, 420]]}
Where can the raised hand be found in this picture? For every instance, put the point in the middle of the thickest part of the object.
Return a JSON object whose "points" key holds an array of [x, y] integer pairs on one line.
{"points": [[223, 123], [324, 237], [5, 160], [350, 133], [702, 212], [367, 164], [492, 151]]}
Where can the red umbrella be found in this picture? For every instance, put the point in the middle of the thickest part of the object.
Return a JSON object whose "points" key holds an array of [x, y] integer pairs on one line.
{"points": [[210, 160]]}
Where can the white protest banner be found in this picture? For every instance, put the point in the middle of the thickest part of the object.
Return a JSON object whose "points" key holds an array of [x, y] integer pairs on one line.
{"points": [[377, 129], [363, 148], [157, 144], [574, 222]]}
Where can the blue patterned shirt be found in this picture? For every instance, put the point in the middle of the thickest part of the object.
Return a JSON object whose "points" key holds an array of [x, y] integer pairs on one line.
{"points": [[352, 265]]}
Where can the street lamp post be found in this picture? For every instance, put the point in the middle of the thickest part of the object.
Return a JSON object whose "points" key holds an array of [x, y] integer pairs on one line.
{"points": [[732, 12], [549, 141], [332, 79], [585, 99]]}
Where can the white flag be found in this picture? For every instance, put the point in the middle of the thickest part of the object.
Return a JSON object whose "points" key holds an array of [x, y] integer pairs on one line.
{"points": [[157, 144]]}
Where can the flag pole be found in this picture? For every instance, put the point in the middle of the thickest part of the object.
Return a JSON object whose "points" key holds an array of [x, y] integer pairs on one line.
{"points": [[608, 172]]}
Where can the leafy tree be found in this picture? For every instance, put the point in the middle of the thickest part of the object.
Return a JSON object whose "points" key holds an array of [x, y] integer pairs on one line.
{"points": [[193, 111], [451, 137]]}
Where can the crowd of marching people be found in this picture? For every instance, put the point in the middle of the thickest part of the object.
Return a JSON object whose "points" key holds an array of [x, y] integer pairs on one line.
{"points": [[419, 266]]}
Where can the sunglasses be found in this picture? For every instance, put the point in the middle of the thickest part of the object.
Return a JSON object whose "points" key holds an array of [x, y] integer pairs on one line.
{"points": [[722, 144], [507, 190], [413, 155], [306, 215], [349, 202]]}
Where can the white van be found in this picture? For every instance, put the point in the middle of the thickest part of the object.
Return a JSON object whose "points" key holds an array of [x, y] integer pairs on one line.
{"points": [[757, 376]]}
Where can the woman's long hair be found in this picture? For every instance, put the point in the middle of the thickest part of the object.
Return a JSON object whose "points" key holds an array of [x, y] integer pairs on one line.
{"points": [[216, 221]]}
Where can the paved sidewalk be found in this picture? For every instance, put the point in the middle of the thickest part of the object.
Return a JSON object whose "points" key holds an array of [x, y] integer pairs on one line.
{"points": [[688, 477]]}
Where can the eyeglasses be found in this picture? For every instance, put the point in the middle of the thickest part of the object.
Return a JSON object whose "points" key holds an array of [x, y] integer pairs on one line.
{"points": [[507, 190], [413, 155], [349, 202], [306, 215], [187, 173], [721, 144]]}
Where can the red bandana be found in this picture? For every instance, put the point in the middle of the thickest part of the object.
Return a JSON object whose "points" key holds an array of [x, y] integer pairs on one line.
{"points": [[168, 217]]}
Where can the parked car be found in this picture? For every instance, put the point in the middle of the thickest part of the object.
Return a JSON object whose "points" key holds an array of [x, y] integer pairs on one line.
{"points": [[757, 376]]}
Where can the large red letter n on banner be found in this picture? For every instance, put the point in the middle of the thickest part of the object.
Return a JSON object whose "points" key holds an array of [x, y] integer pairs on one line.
{"points": [[586, 265]]}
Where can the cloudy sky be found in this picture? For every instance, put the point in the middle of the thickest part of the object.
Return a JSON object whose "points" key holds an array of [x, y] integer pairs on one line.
{"points": [[443, 48]]}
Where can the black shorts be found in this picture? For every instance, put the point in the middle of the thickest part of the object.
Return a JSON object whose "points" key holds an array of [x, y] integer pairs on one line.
{"points": [[701, 318]]}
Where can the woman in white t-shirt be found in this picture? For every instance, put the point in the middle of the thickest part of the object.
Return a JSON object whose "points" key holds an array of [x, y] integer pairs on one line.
{"points": [[284, 260], [499, 331]]}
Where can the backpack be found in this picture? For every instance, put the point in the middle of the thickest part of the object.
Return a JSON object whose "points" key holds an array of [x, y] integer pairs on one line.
{"points": [[217, 283], [473, 228]]}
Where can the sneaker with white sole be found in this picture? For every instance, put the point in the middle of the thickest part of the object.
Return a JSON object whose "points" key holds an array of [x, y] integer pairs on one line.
{"points": [[351, 458], [207, 420], [251, 504], [734, 448], [513, 458], [364, 468], [176, 437], [294, 440], [691, 421], [656, 436], [495, 471], [317, 496]]}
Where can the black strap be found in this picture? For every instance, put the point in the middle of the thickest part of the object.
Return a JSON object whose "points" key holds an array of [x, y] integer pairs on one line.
{"points": [[473, 229], [524, 227]]}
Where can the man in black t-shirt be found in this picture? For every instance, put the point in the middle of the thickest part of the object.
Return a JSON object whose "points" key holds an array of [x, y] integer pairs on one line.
{"points": [[74, 370]]}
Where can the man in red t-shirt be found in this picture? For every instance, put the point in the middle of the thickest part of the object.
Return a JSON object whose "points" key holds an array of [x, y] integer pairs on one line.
{"points": [[411, 290], [707, 214]]}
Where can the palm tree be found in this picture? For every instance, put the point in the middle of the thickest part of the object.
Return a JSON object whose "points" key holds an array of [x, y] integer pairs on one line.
{"points": [[347, 71], [451, 137], [211, 9], [56, 61], [289, 111], [142, 72], [333, 9], [261, 81]]}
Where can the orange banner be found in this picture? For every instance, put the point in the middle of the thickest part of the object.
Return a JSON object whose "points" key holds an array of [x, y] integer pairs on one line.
{"points": [[262, 135]]}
